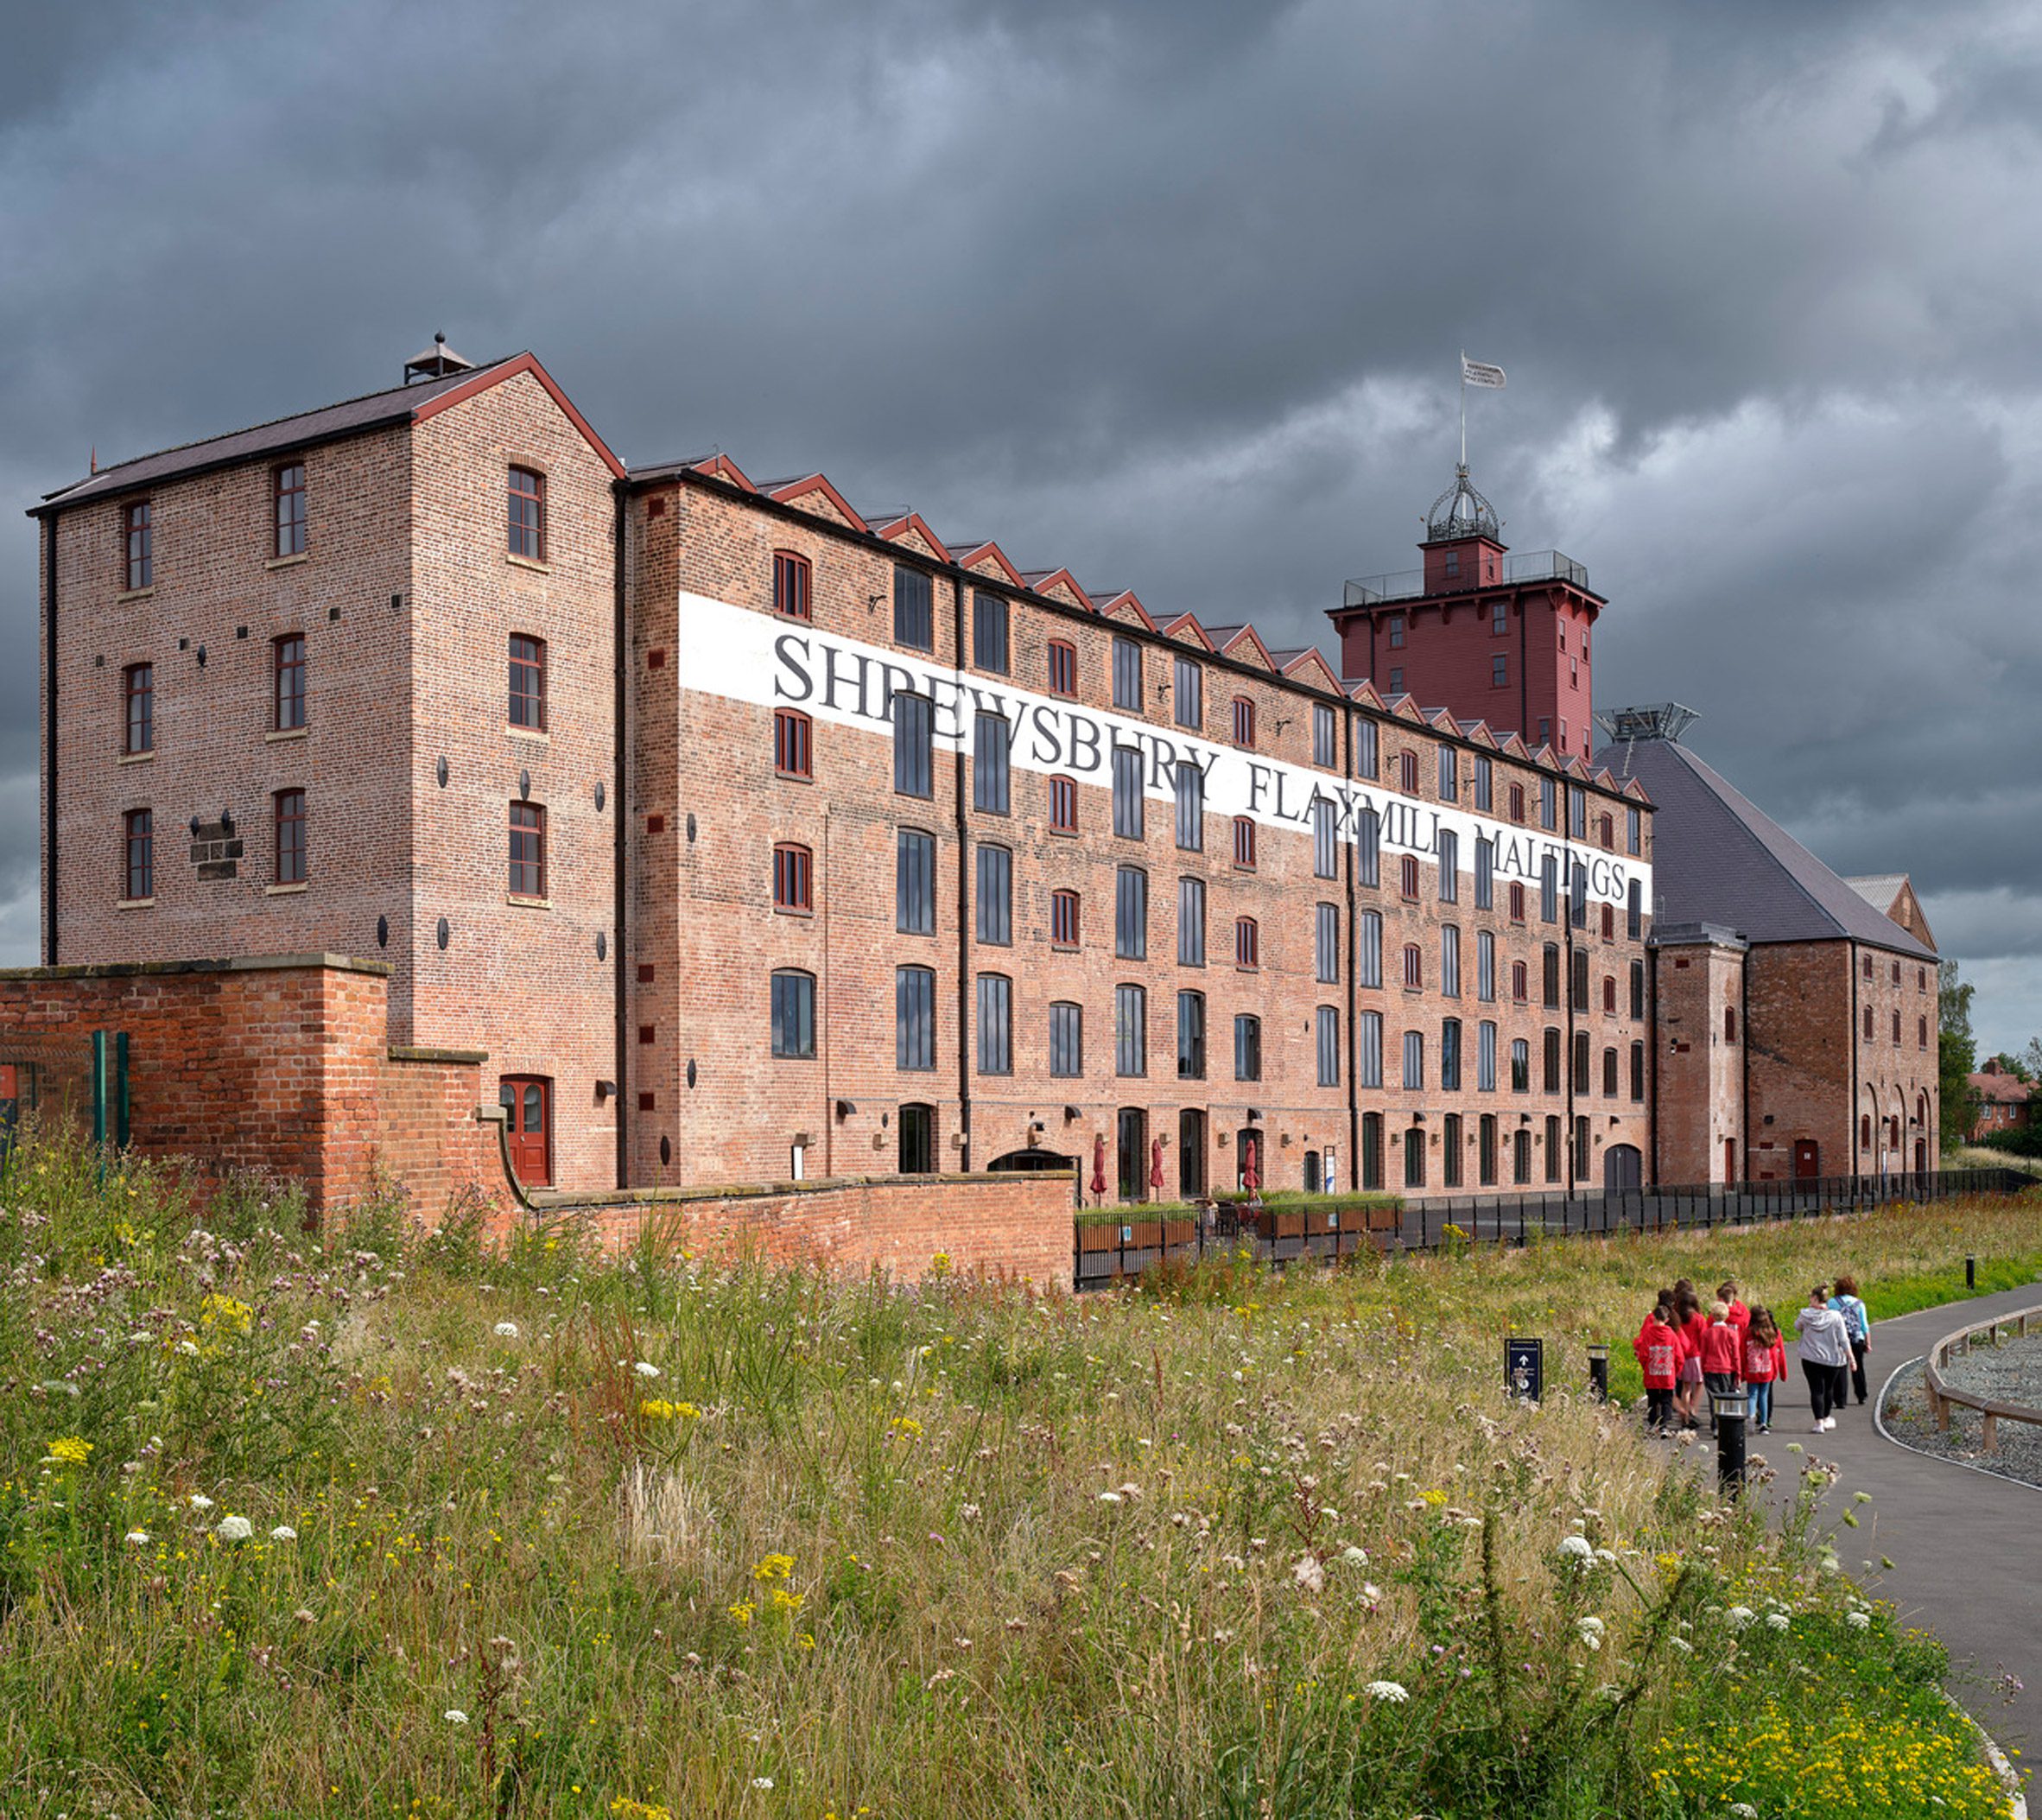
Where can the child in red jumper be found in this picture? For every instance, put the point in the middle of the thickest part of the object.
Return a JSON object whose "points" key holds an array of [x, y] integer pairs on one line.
{"points": [[1690, 1323], [1740, 1314], [1659, 1354], [1765, 1365], [1723, 1357]]}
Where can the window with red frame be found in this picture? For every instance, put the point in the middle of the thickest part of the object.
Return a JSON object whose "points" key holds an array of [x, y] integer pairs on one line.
{"points": [[1244, 721], [792, 733], [290, 836], [289, 663], [138, 693], [528, 683], [1063, 919], [528, 514], [1896, 1028], [139, 842], [1414, 964], [1517, 903], [1520, 982], [1063, 668], [793, 871], [1517, 802], [1921, 1033], [1063, 806], [1247, 942], [138, 542], [528, 850], [1244, 842], [1609, 994], [1605, 831], [791, 576], [1407, 772], [1407, 878], [1609, 922], [1867, 1024], [289, 491]]}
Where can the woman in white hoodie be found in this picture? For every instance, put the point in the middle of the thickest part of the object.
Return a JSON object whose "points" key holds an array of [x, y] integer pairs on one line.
{"points": [[1825, 1352]]}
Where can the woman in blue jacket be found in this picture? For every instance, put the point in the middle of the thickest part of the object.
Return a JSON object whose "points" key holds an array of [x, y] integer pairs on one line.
{"points": [[1857, 1326]]}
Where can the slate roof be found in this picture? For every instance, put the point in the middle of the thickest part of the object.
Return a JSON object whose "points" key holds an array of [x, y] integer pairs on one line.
{"points": [[1879, 889], [327, 424], [1718, 857], [1989, 1084]]}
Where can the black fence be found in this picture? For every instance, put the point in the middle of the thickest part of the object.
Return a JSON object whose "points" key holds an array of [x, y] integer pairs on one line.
{"points": [[1106, 1252]]}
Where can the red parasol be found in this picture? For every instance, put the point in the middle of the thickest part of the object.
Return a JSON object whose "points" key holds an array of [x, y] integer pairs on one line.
{"points": [[1249, 1179], [1099, 1165], [1155, 1162]]}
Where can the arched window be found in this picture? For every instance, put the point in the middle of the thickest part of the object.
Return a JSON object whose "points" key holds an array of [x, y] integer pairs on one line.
{"points": [[793, 867], [1247, 942], [1244, 721], [1063, 806], [1244, 843], [1407, 772], [792, 734]]}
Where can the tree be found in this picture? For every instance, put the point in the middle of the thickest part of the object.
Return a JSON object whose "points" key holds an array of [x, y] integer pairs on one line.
{"points": [[2015, 1065], [2031, 1059], [1956, 1055]]}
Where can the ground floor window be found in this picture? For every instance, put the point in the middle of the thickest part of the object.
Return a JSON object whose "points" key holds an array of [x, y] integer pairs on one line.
{"points": [[918, 1139]]}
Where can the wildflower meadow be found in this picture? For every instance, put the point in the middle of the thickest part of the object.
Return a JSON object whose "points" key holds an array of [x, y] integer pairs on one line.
{"points": [[367, 1522]]}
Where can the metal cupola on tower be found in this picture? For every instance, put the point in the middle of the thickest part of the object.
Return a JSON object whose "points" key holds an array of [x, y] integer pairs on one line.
{"points": [[1464, 546], [1459, 511]]}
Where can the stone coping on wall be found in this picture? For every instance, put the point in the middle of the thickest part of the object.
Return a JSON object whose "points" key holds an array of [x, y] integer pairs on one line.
{"points": [[239, 964], [463, 1057], [566, 1201]]}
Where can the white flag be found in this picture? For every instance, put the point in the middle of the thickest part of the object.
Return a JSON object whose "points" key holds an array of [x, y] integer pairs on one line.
{"points": [[1479, 372]]}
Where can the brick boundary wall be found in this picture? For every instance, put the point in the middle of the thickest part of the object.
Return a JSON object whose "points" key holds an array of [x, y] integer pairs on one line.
{"points": [[279, 1062], [1012, 1227]]}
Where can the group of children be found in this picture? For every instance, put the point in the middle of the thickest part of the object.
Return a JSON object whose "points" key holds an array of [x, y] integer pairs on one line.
{"points": [[1685, 1352]]}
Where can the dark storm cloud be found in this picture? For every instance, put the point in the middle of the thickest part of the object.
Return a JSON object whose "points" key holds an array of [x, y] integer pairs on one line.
{"points": [[1170, 293]]}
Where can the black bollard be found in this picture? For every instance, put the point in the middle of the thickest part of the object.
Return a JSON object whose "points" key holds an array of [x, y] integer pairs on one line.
{"points": [[1728, 1408], [1599, 1372], [1970, 1273]]}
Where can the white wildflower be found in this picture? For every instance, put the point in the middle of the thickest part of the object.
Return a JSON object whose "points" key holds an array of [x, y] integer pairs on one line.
{"points": [[505, 1330], [1354, 1557], [1858, 1621], [1779, 1620], [138, 1537], [1740, 1615], [456, 1717], [189, 1347], [1308, 1574], [646, 1368], [762, 1782], [1370, 1591], [1744, 1810], [233, 1528], [1591, 1631], [1576, 1548], [200, 1501], [283, 1532], [1391, 1690], [1111, 1498]]}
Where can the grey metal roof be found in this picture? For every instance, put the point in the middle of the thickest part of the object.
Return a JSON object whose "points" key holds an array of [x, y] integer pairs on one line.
{"points": [[326, 424], [1718, 857], [1879, 889]]}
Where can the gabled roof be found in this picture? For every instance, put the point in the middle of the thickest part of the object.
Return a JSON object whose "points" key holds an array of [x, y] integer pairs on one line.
{"points": [[1243, 644], [1718, 857], [798, 487], [1124, 602], [976, 552], [1185, 627], [1058, 584], [1297, 665], [329, 424], [899, 527], [2003, 1089]]}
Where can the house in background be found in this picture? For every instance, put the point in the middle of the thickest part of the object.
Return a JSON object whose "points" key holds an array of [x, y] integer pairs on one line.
{"points": [[2005, 1102]]}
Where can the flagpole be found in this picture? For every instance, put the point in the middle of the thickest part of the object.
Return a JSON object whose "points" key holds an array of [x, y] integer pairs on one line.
{"points": [[1463, 407]]}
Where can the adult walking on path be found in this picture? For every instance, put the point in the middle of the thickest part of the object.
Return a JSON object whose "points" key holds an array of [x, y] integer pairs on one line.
{"points": [[1825, 1353], [1963, 1544], [1857, 1328]]}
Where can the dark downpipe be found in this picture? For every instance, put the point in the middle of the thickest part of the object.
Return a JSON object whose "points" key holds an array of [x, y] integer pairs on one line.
{"points": [[964, 896], [620, 492], [49, 739], [1346, 759]]}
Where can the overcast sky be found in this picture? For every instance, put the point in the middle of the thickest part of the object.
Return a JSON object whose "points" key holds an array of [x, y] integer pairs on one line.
{"points": [[1170, 293]]}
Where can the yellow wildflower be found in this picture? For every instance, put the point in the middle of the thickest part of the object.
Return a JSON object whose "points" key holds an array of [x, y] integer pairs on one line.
{"points": [[70, 1450]]}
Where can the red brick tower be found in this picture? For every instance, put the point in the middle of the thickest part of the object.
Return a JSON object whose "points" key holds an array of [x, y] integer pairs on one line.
{"points": [[1488, 635]]}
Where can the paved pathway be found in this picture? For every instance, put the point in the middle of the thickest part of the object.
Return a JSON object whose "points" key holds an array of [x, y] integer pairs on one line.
{"points": [[1966, 1547]]}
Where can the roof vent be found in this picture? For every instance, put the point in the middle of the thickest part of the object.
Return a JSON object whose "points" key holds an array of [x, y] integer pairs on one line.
{"points": [[435, 363], [1665, 721]]}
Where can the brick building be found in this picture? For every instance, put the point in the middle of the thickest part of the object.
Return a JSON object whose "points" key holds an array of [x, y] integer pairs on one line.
{"points": [[2005, 1102], [747, 836]]}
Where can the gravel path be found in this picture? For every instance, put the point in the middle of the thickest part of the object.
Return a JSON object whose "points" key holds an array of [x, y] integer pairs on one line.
{"points": [[2008, 1372]]}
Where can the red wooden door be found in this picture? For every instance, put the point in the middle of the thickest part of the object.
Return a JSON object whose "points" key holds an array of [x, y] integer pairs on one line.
{"points": [[1730, 1159], [1808, 1159], [528, 1120]]}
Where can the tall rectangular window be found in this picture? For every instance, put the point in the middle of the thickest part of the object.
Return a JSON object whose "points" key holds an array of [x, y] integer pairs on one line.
{"points": [[1547, 812], [1131, 913], [528, 683], [1244, 721], [995, 895], [1449, 1150], [1637, 1071], [1485, 872], [1450, 775], [1328, 1045], [1407, 878], [1486, 1150], [1520, 1066], [791, 734], [792, 578], [527, 527], [288, 491], [1248, 944], [138, 872], [138, 693], [288, 664], [1248, 1048], [1369, 848], [914, 882], [1368, 1048], [1637, 991], [1063, 919], [1609, 1073], [289, 820], [1063, 806], [1244, 843], [1581, 1062], [914, 1018], [914, 618], [1368, 948], [1128, 817], [1063, 667], [528, 850], [991, 734], [1551, 1059], [138, 544], [1485, 966], [1367, 749], [996, 1041], [1549, 888], [1128, 675], [1484, 1057], [914, 771], [1449, 1055], [989, 632], [1577, 812], [1449, 866], [1554, 1160], [794, 870], [1190, 787], [1190, 1036], [1325, 736], [1326, 944], [1190, 923], [1325, 840], [1634, 831], [1577, 895], [1067, 1040], [1414, 1058], [1634, 911], [1189, 694], [1485, 782], [794, 1015], [1131, 1030]]}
